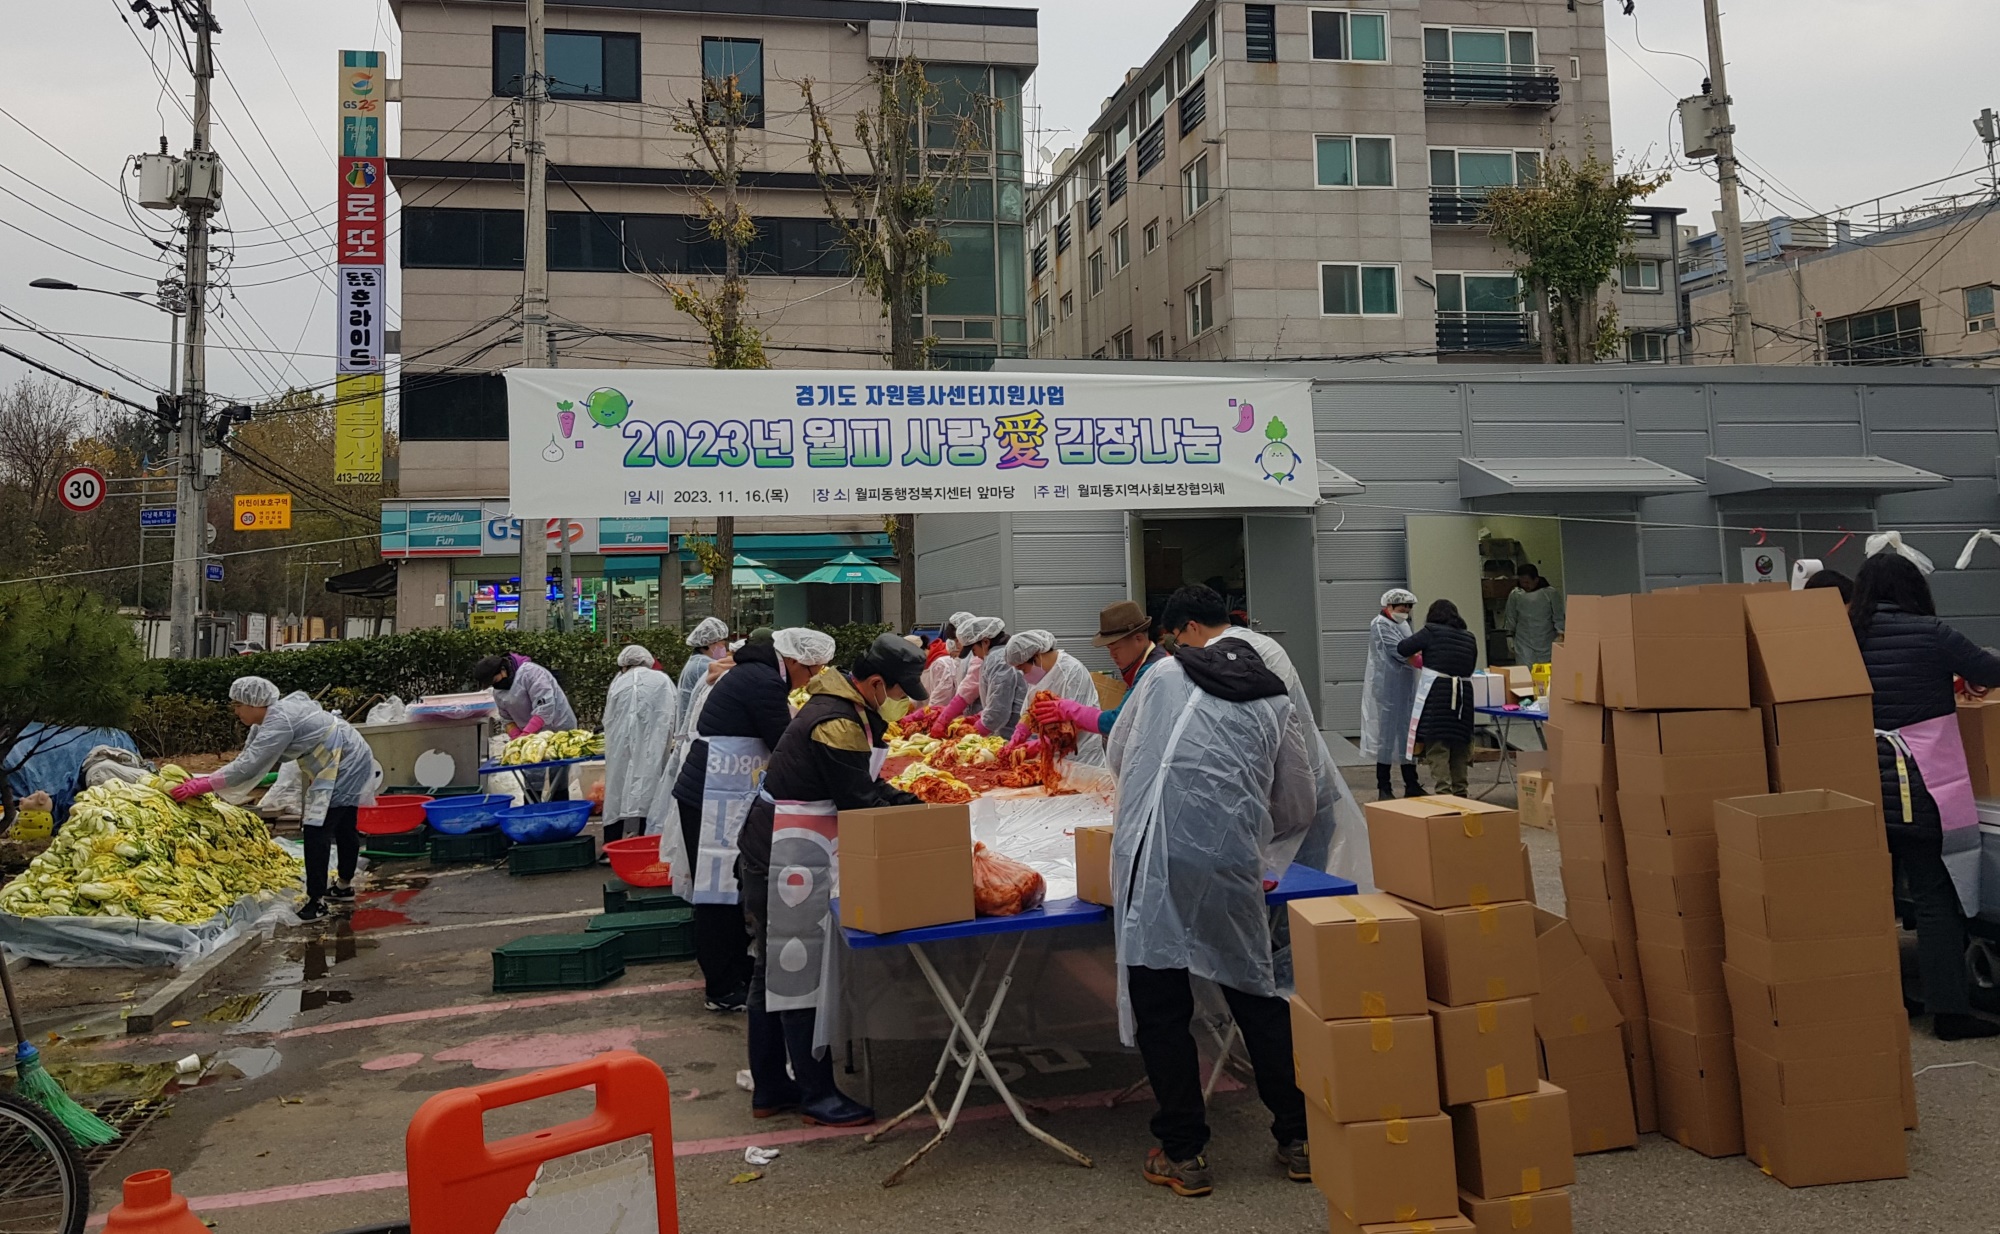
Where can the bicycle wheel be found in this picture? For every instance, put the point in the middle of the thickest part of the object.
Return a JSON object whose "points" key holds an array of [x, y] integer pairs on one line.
{"points": [[44, 1188]]}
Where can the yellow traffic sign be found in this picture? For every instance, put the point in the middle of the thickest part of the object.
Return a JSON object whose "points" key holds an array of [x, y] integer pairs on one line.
{"points": [[263, 511]]}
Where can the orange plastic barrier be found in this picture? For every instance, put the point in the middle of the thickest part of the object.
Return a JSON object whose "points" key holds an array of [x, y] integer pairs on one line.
{"points": [[152, 1206], [461, 1184]]}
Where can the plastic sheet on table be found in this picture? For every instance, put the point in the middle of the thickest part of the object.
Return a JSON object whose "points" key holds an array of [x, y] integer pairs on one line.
{"points": [[126, 942], [474, 705], [1038, 830]]}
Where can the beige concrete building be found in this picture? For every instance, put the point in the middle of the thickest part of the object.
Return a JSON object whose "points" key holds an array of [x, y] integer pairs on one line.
{"points": [[1920, 291], [624, 223], [1302, 179]]}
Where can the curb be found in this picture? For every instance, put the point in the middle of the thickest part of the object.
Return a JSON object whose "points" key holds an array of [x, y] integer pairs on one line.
{"points": [[149, 1014]]}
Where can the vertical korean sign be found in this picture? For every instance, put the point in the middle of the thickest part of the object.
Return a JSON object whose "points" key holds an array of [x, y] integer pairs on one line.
{"points": [[361, 267]]}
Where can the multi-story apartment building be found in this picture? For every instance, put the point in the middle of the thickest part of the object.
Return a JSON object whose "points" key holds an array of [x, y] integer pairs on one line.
{"points": [[624, 221], [1304, 178]]}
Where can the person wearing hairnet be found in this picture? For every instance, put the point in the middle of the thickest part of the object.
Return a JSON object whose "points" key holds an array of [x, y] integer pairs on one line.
{"points": [[707, 643], [941, 662], [1215, 793], [335, 764], [1002, 690], [641, 710], [1045, 667], [1123, 630], [530, 701], [1388, 690], [829, 760], [733, 726], [975, 639]]}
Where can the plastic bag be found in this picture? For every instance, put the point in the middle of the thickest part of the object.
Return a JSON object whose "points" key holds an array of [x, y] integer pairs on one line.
{"points": [[1002, 886], [389, 711], [111, 763], [287, 795]]}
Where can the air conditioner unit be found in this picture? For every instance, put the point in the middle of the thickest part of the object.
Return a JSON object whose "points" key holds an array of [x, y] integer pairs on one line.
{"points": [[159, 181], [1699, 123]]}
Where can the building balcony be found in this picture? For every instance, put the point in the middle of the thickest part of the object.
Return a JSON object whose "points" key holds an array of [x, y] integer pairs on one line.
{"points": [[1457, 207], [1485, 332], [1493, 85]]}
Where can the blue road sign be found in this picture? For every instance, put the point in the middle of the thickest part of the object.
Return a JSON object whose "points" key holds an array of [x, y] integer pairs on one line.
{"points": [[214, 571], [160, 516]]}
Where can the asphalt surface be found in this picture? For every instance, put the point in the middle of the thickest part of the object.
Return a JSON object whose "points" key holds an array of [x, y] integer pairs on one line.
{"points": [[318, 1048]]}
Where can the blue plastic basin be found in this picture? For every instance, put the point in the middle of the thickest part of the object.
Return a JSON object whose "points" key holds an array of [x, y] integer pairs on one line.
{"points": [[457, 816], [545, 821]]}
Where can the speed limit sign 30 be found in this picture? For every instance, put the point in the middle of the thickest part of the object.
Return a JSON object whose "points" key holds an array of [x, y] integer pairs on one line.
{"points": [[81, 490]]}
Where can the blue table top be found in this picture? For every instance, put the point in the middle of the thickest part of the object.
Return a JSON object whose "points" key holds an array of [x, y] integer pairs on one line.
{"points": [[1516, 713], [491, 769], [1299, 883]]}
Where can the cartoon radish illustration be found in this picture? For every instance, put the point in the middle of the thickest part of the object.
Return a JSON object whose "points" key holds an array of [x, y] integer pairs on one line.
{"points": [[554, 452], [1246, 416]]}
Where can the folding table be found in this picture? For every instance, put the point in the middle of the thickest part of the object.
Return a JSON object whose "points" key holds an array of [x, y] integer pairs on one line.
{"points": [[534, 794], [1506, 716]]}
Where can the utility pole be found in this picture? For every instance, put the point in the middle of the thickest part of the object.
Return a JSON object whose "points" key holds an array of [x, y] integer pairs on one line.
{"points": [[202, 178], [534, 613], [1731, 222]]}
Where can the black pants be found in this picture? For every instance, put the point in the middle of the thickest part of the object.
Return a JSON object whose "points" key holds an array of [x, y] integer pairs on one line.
{"points": [[338, 831], [1163, 1009], [721, 941], [1918, 851], [1411, 788], [776, 1037]]}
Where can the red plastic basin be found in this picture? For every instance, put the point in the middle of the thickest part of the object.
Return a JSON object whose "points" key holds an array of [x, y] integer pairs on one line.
{"points": [[391, 816], [637, 861]]}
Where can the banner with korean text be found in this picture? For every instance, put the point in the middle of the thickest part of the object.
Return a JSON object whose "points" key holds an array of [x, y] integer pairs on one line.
{"points": [[360, 271], [623, 443]]}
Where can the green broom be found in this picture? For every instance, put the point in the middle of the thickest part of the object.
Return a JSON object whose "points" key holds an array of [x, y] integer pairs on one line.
{"points": [[32, 1080]]}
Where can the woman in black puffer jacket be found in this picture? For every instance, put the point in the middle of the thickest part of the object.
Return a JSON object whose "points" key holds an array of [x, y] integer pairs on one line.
{"points": [[1445, 727], [1911, 658]]}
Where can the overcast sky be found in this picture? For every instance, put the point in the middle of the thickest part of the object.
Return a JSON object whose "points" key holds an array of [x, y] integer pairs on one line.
{"points": [[1836, 101]]}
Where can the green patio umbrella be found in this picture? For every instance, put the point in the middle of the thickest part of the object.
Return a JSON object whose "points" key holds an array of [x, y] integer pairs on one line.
{"points": [[853, 568], [744, 572]]}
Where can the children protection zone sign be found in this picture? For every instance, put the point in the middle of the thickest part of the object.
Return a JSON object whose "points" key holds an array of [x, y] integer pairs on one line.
{"points": [[619, 443]]}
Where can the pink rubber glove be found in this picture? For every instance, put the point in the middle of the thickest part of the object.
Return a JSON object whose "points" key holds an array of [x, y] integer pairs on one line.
{"points": [[979, 726], [513, 731], [952, 710], [194, 786], [533, 726], [1021, 734], [1051, 710]]}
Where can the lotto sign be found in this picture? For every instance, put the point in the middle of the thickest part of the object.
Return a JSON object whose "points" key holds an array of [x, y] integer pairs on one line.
{"points": [[361, 228], [359, 317], [263, 511], [81, 490]]}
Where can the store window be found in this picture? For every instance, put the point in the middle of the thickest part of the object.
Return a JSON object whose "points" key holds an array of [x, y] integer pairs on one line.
{"points": [[582, 64]]}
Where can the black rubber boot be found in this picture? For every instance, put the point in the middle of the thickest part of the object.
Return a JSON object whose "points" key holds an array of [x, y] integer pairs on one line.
{"points": [[821, 1100]]}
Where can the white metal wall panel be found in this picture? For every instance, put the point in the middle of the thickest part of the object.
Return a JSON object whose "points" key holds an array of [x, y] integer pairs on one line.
{"points": [[1541, 439], [1667, 409], [1340, 706], [936, 531], [1971, 502], [1343, 654], [1787, 438], [1756, 402], [1345, 603], [960, 567], [1101, 522], [1929, 407], [1387, 407], [1966, 454], [1541, 403], [1682, 451], [1393, 456], [1358, 555], [1383, 506]]}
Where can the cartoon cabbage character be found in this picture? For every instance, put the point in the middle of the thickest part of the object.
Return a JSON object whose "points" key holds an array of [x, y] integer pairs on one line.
{"points": [[607, 408], [1279, 461]]}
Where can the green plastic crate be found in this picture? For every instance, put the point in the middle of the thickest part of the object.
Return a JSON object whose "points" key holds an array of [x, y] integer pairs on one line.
{"points": [[487, 845], [622, 897], [399, 847], [559, 961], [575, 853], [663, 934]]}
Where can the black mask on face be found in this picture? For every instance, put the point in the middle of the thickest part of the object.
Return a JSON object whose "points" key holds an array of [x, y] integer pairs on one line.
{"points": [[503, 682]]}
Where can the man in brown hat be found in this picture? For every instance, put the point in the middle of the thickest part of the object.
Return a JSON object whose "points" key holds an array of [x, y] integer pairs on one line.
{"points": [[1123, 629]]}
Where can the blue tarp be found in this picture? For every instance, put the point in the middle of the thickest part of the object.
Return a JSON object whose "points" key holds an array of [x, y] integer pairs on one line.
{"points": [[56, 762]]}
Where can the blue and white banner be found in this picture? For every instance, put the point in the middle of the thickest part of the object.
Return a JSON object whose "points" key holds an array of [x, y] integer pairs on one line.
{"points": [[622, 442]]}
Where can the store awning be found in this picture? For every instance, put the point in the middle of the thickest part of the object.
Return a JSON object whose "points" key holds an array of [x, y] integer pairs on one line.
{"points": [[1859, 473], [376, 582], [1637, 477], [1333, 482]]}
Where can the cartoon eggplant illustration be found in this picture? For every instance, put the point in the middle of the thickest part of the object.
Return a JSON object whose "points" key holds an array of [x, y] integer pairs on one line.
{"points": [[1246, 416]]}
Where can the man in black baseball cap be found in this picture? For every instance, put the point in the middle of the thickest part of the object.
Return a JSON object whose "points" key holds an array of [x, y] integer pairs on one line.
{"points": [[888, 666]]}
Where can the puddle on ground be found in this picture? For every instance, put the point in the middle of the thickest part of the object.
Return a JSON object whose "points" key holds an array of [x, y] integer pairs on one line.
{"points": [[366, 919], [279, 1009], [318, 955], [242, 1063]]}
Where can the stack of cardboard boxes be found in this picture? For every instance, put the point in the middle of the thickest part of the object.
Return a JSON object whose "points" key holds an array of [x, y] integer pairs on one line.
{"points": [[1454, 865], [1808, 681], [1579, 1029], [1584, 772], [1821, 1041]]}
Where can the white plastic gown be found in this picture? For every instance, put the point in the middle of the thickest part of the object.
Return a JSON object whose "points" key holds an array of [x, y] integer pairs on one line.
{"points": [[691, 673], [334, 760], [1071, 680], [641, 716], [1002, 690], [941, 679], [534, 692], [1213, 797], [663, 819], [1338, 842], [1388, 689]]}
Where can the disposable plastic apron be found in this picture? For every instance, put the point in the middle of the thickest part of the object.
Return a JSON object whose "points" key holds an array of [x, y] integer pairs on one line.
{"points": [[1424, 683], [1933, 745], [801, 955], [735, 772]]}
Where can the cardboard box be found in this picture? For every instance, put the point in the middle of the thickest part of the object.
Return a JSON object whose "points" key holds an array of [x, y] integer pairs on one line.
{"points": [[1486, 1050], [1357, 956], [1515, 1144], [1586, 762], [1583, 1054], [1817, 720], [1535, 792], [1383, 1170], [1682, 933], [1764, 1012], [1595, 880], [1835, 1142], [1629, 994], [1479, 955], [1687, 751], [1670, 814], [902, 867], [1528, 874], [1705, 1013], [1704, 1113], [1645, 1081], [1673, 855], [1855, 1075], [1824, 743], [1601, 1114], [1674, 895], [1576, 674], [1446, 851], [1543, 1212], [1584, 722], [1801, 646], [1692, 1054], [1597, 840], [1789, 826], [1668, 651], [1460, 1224], [1777, 899], [1093, 865], [1573, 999], [1782, 962], [1673, 969], [1979, 730], [1366, 1069]]}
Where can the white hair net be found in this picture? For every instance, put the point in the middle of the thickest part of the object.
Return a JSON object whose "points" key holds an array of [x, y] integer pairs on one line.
{"points": [[635, 656], [1028, 644], [712, 630], [806, 646], [1397, 595], [957, 622], [978, 629], [253, 691]]}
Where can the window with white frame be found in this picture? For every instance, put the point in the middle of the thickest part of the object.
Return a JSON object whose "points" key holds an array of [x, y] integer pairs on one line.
{"points": [[1200, 307], [1200, 48], [1121, 247], [1354, 162], [1338, 34], [1473, 292], [1041, 316], [1096, 271], [1478, 48], [1066, 305], [1121, 345], [1646, 348], [1119, 137], [1979, 308], [1156, 346], [1194, 185], [1642, 274], [1150, 236], [1358, 291], [1474, 170]]}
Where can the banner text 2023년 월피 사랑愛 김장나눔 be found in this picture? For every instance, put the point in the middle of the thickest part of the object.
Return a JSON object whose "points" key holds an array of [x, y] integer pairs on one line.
{"points": [[615, 443]]}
